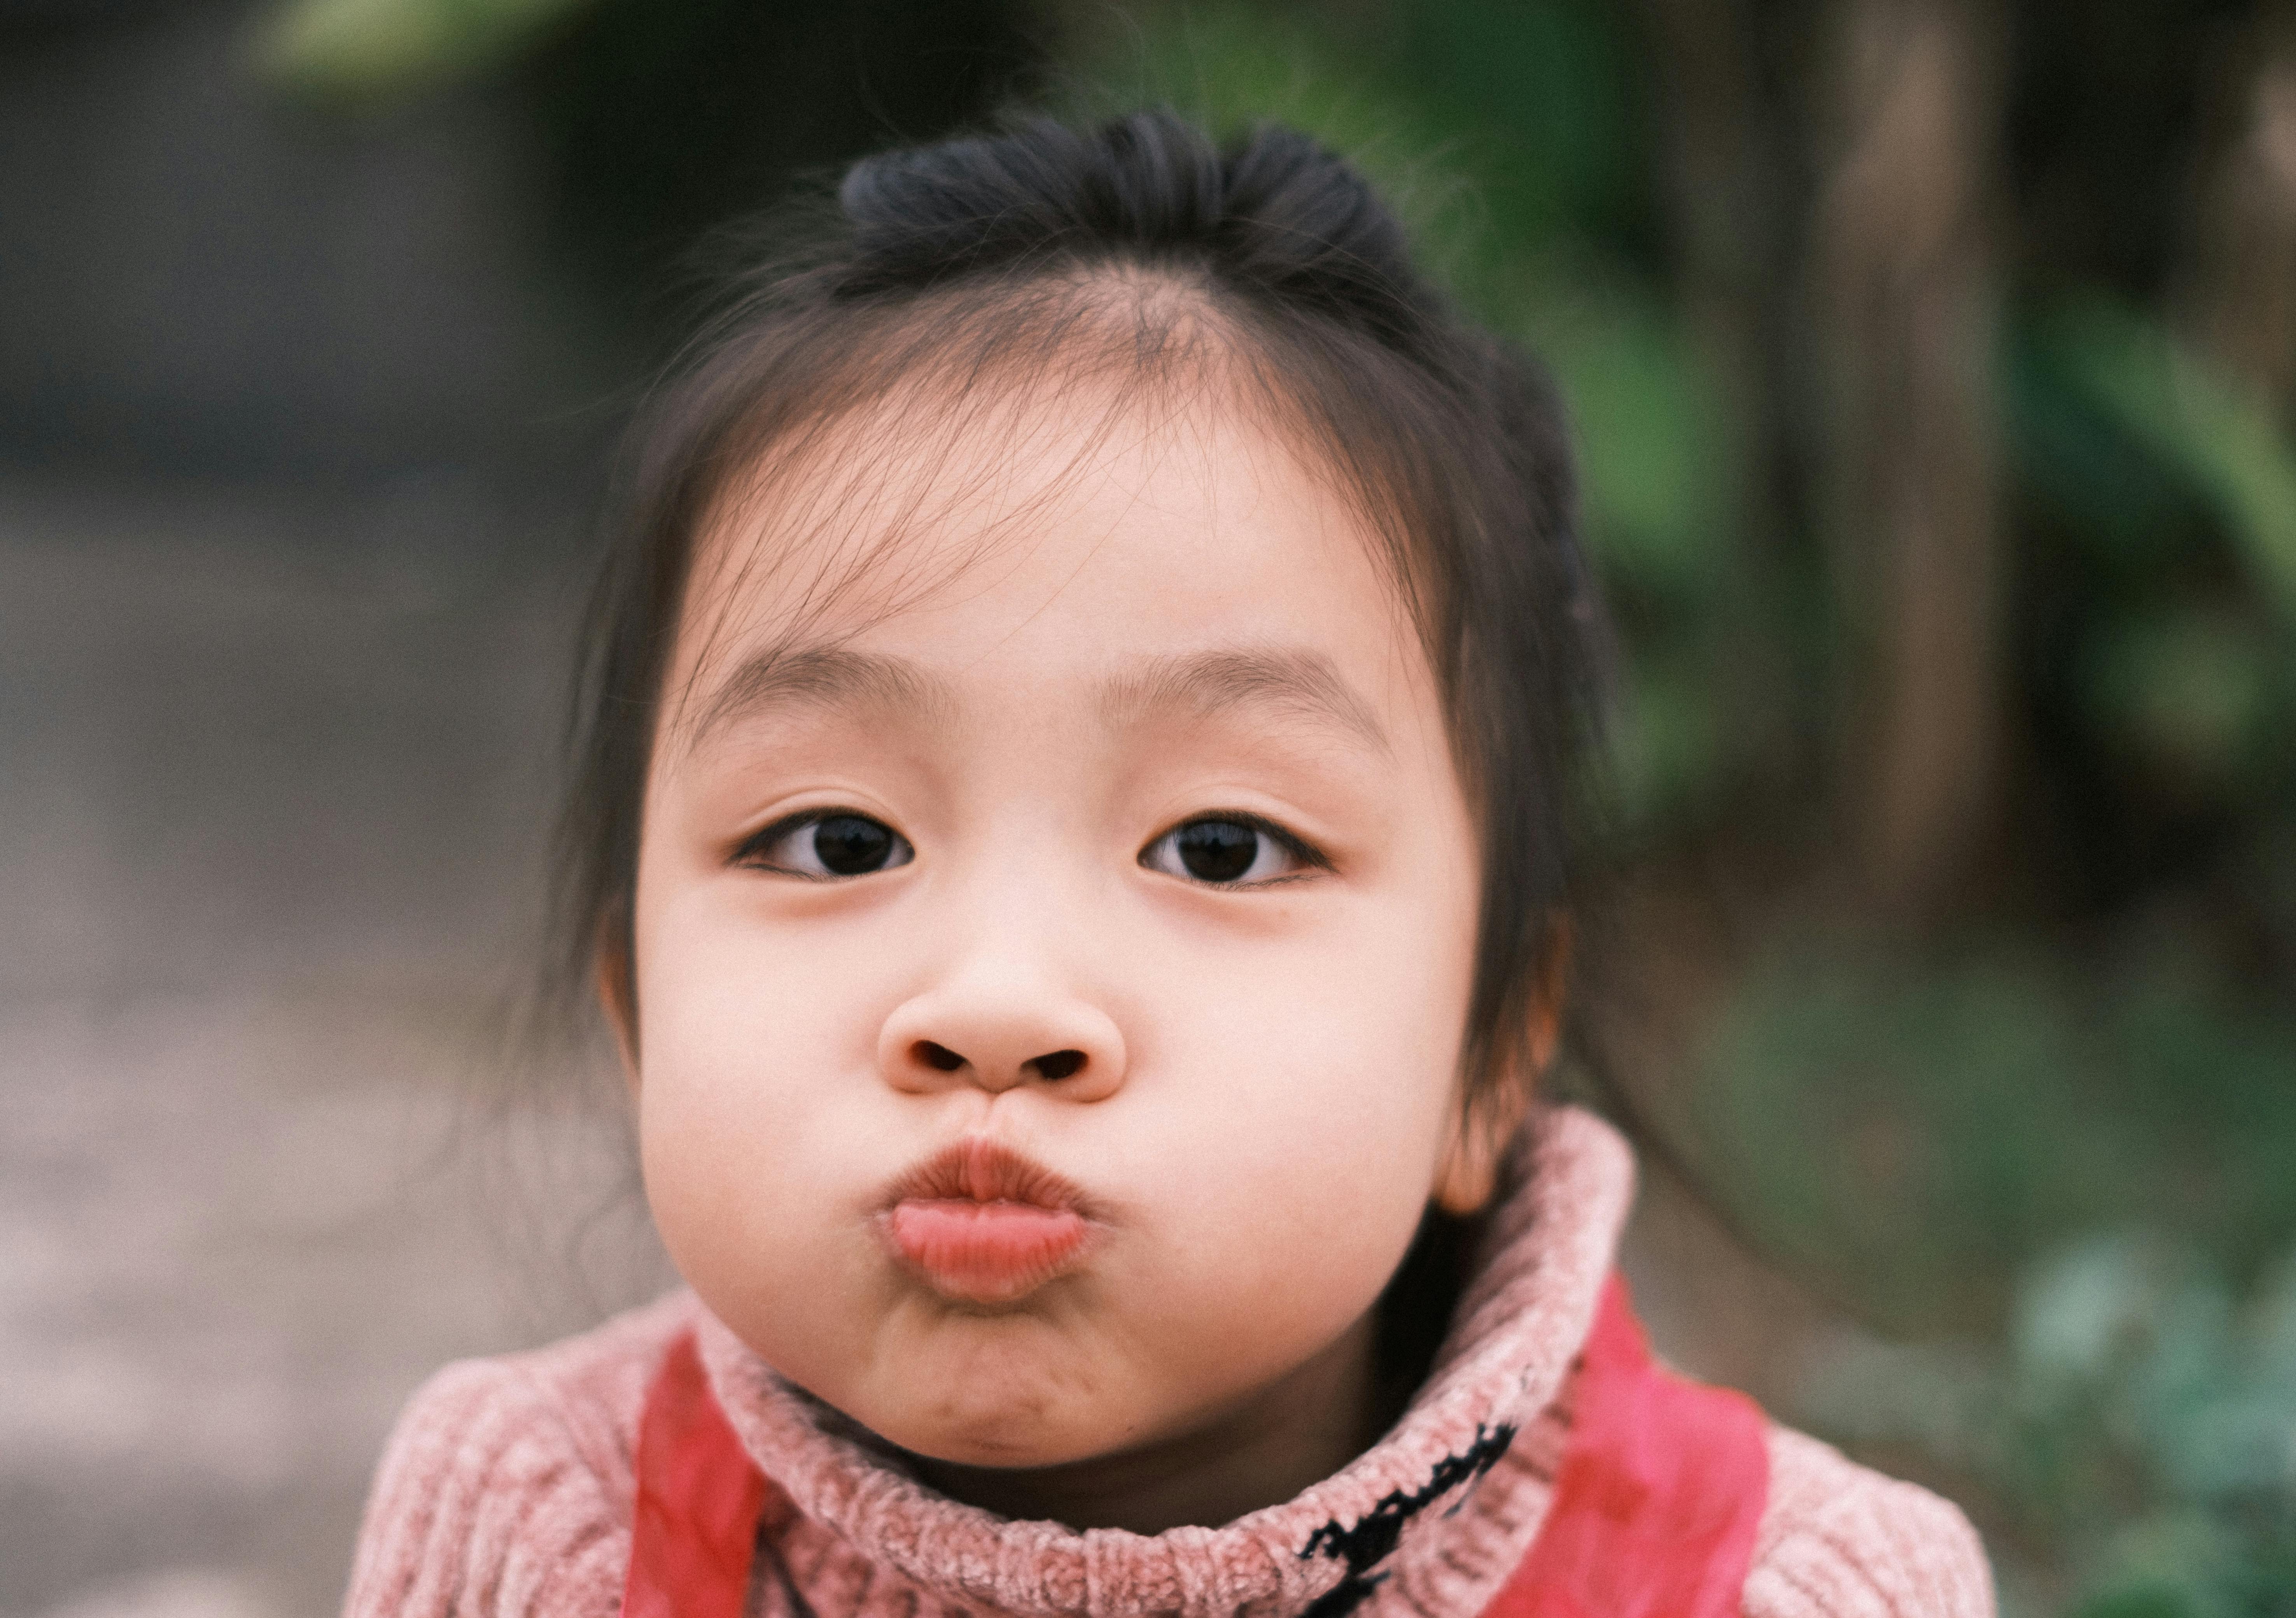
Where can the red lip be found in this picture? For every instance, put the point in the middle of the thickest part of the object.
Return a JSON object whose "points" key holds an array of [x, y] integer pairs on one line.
{"points": [[980, 1223]]}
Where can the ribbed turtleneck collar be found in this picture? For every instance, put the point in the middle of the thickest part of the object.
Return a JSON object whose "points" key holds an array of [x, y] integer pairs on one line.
{"points": [[1431, 1518]]}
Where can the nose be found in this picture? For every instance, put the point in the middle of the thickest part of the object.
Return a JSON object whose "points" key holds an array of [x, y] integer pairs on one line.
{"points": [[998, 1032]]}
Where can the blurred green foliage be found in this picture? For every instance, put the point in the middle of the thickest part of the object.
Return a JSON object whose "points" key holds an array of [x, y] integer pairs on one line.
{"points": [[2182, 490], [1918, 1133], [2140, 1414]]}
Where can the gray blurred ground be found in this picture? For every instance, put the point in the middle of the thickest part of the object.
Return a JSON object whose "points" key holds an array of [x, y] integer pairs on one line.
{"points": [[293, 437], [272, 796]]}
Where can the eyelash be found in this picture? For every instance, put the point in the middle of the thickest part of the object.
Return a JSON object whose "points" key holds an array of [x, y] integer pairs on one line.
{"points": [[751, 851], [1309, 857]]}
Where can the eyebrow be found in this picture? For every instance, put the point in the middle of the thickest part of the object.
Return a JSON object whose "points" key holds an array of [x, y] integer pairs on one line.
{"points": [[820, 677], [1301, 685]]}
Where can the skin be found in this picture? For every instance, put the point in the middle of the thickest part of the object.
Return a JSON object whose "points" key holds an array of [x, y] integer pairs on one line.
{"points": [[1108, 619]]}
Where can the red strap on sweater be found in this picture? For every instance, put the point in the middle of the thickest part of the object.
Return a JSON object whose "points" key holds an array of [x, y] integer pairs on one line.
{"points": [[1661, 1488], [700, 1496]]}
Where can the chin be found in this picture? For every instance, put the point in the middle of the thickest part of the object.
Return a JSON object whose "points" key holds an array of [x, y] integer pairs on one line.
{"points": [[1002, 1423], [988, 1449], [989, 1408]]}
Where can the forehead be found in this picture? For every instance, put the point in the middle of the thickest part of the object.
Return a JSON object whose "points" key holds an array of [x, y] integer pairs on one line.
{"points": [[1087, 524]]}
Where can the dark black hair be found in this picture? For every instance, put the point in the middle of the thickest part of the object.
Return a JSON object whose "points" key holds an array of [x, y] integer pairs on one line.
{"points": [[1143, 243]]}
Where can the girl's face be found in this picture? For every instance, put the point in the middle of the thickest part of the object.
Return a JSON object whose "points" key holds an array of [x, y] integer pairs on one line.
{"points": [[1053, 938]]}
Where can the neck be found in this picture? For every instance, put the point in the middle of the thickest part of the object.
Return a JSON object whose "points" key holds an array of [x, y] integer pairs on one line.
{"points": [[1284, 1438]]}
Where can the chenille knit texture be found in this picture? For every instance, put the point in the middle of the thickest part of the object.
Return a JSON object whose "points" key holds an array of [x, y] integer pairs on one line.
{"points": [[507, 1489]]}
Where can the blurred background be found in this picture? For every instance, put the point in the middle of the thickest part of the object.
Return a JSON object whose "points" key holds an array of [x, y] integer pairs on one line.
{"points": [[1934, 368]]}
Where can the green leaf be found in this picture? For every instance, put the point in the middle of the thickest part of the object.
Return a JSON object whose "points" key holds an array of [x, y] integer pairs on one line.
{"points": [[2220, 439], [374, 49]]}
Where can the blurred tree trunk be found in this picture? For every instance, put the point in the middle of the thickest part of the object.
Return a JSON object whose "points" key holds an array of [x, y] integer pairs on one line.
{"points": [[1902, 291], [1726, 202], [2239, 295]]}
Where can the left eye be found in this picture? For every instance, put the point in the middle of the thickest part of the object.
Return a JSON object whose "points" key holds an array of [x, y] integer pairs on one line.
{"points": [[1229, 852], [827, 846]]}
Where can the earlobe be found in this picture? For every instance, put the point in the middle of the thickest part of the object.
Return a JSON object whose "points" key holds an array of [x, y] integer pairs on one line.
{"points": [[1468, 1173], [1480, 1130]]}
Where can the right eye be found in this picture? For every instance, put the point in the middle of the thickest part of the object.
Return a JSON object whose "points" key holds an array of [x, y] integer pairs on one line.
{"points": [[1230, 851], [826, 845]]}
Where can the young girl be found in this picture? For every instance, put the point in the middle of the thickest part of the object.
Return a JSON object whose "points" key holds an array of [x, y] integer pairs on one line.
{"points": [[1075, 843]]}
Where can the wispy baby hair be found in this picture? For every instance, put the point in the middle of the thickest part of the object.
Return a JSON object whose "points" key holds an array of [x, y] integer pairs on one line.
{"points": [[1141, 247]]}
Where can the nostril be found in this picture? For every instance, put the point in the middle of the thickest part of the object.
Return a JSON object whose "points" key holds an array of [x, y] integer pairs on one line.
{"points": [[939, 1057], [1059, 1063]]}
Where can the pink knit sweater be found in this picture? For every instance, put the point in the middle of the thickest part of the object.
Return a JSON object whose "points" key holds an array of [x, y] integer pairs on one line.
{"points": [[507, 1489]]}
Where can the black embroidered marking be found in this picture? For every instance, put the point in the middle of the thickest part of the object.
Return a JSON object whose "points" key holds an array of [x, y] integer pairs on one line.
{"points": [[1372, 1538]]}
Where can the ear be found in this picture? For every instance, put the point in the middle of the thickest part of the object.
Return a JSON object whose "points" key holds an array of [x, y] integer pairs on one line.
{"points": [[615, 984], [1480, 1133]]}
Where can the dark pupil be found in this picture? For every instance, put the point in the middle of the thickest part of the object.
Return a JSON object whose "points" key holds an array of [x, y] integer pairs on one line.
{"points": [[850, 846], [1218, 850]]}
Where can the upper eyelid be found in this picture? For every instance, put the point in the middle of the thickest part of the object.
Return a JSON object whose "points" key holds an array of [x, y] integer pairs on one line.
{"points": [[781, 825], [775, 829]]}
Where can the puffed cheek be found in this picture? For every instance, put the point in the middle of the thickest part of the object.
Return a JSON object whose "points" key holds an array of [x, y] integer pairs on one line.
{"points": [[1307, 1259]]}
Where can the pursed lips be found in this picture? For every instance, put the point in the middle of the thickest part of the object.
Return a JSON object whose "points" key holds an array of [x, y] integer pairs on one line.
{"points": [[979, 1222]]}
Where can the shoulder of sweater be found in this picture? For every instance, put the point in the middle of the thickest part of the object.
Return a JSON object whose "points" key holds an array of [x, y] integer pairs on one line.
{"points": [[505, 1491], [1838, 1541]]}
